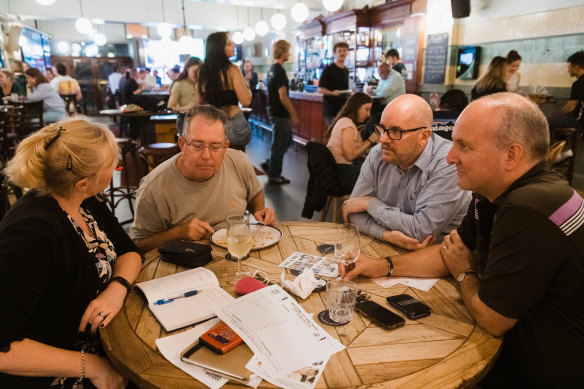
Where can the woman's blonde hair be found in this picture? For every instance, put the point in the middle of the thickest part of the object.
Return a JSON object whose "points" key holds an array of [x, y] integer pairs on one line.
{"points": [[495, 77], [56, 157]]}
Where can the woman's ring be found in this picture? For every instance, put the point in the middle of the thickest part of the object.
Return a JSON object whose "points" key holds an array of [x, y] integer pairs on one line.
{"points": [[444, 246], [101, 314]]}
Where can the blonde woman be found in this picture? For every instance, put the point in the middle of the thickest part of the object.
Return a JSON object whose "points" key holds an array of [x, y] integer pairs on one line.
{"points": [[66, 265], [494, 81]]}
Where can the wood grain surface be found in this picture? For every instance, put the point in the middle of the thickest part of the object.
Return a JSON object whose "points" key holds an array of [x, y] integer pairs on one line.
{"points": [[444, 350]]}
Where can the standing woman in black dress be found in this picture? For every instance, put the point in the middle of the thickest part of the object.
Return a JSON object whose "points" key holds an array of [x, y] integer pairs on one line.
{"points": [[221, 84]]}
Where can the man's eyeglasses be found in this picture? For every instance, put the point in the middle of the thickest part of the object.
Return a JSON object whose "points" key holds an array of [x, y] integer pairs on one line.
{"points": [[394, 133], [199, 147]]}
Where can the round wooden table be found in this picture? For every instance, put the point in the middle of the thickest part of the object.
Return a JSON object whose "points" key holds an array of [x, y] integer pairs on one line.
{"points": [[444, 350]]}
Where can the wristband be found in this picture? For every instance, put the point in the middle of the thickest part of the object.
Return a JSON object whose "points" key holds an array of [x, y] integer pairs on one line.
{"points": [[389, 266], [121, 280]]}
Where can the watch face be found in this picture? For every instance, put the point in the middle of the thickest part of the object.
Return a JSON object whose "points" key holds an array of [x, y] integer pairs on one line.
{"points": [[461, 277]]}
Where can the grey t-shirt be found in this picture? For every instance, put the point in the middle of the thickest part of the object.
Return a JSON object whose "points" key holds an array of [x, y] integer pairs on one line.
{"points": [[166, 198]]}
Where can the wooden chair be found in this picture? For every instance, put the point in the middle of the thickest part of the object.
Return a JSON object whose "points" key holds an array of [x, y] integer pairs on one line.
{"points": [[554, 152], [573, 138], [337, 203], [156, 153], [71, 105], [30, 118]]}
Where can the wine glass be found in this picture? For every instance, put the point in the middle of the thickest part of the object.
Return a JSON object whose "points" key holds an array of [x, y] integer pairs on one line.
{"points": [[347, 245], [239, 240]]}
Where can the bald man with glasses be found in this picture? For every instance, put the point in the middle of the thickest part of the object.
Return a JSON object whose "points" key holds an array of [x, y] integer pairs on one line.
{"points": [[406, 193], [185, 196]]}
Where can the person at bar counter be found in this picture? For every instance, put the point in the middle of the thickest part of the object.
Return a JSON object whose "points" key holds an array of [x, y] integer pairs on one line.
{"points": [[346, 144], [66, 265], [40, 90], [494, 81], [394, 61], [406, 193], [518, 256], [281, 111], [220, 84], [199, 187], [334, 80], [513, 75], [182, 92], [390, 86]]}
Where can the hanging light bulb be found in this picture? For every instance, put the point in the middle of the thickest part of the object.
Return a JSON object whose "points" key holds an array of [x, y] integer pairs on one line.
{"points": [[278, 21], [100, 39], [248, 34], [186, 43], [45, 2], [237, 37], [299, 12], [332, 5], [63, 47], [164, 30], [83, 26], [262, 28]]}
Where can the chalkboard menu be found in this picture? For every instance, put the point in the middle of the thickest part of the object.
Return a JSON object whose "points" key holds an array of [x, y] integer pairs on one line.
{"points": [[436, 58]]}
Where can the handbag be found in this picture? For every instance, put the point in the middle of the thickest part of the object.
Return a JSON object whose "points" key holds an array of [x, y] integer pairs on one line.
{"points": [[185, 253]]}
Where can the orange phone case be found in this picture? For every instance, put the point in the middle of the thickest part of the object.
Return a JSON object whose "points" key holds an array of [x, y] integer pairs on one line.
{"points": [[220, 339]]}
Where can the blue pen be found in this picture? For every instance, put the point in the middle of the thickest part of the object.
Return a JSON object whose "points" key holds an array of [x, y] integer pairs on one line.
{"points": [[166, 301]]}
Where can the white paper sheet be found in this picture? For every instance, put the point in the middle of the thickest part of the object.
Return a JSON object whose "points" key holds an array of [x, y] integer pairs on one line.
{"points": [[305, 378], [278, 330], [424, 284], [171, 347]]}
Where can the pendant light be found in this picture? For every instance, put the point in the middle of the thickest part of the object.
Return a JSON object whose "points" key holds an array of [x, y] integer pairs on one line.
{"points": [[278, 20], [237, 36], [261, 27], [83, 25], [299, 12], [164, 29], [332, 5], [248, 32], [186, 42]]}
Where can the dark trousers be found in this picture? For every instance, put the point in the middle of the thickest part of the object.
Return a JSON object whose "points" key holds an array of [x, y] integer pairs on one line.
{"points": [[281, 140]]}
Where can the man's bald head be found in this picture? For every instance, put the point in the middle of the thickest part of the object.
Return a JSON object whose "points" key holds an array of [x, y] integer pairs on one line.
{"points": [[410, 108], [520, 121]]}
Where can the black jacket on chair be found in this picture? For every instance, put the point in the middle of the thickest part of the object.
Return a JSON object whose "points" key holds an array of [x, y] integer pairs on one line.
{"points": [[323, 180]]}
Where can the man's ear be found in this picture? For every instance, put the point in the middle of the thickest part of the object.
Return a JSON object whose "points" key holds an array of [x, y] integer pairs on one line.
{"points": [[424, 136], [514, 156]]}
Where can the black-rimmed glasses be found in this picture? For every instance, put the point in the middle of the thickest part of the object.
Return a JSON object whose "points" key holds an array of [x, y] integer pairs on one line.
{"points": [[394, 133]]}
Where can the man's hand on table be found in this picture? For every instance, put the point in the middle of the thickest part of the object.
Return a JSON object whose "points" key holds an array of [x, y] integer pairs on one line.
{"points": [[400, 239], [355, 205], [457, 257], [196, 229], [365, 266], [266, 216]]}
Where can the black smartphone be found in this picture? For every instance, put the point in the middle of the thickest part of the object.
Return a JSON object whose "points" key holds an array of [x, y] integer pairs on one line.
{"points": [[380, 315], [411, 307]]}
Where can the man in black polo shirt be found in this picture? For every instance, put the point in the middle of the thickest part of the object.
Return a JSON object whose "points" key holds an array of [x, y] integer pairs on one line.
{"points": [[518, 255], [334, 80], [281, 111], [572, 113]]}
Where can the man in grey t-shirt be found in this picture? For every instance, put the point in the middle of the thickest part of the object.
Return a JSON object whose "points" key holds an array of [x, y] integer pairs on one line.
{"points": [[406, 193], [198, 188]]}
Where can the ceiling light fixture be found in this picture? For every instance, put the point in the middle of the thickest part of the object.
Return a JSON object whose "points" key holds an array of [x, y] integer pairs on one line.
{"points": [[332, 5], [100, 39], [261, 27], [299, 12], [278, 19], [248, 32], [164, 29], [237, 36], [186, 42], [45, 2], [83, 25]]}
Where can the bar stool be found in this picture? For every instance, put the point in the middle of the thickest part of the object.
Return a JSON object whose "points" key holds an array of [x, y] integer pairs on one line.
{"points": [[337, 203], [132, 172], [156, 153]]}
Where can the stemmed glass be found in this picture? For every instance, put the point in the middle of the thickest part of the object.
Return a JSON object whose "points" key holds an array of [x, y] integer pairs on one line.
{"points": [[239, 240], [347, 245]]}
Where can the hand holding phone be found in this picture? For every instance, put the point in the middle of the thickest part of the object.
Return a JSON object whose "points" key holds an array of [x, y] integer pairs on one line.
{"points": [[380, 315], [411, 307]]}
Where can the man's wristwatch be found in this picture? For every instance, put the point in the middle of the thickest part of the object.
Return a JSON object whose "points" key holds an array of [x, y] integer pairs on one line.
{"points": [[125, 283], [463, 275]]}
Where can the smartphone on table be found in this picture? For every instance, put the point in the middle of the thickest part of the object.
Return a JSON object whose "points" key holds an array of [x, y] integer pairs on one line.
{"points": [[380, 315], [410, 306]]}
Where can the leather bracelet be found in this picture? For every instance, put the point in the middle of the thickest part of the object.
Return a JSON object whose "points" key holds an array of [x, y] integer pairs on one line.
{"points": [[389, 266], [121, 280]]}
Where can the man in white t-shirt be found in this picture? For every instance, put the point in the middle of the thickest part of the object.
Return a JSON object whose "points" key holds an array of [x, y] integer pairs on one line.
{"points": [[114, 79], [186, 195], [64, 84]]}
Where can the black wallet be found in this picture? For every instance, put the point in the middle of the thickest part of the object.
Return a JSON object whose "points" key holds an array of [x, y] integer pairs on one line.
{"points": [[185, 253]]}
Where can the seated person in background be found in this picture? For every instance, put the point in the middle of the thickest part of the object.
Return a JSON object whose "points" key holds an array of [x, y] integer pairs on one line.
{"points": [[406, 193], [518, 255], [9, 86], [184, 196], [451, 104], [572, 113], [494, 81], [40, 90], [345, 142], [17, 69], [390, 86], [513, 76], [64, 84], [146, 80], [66, 264]]}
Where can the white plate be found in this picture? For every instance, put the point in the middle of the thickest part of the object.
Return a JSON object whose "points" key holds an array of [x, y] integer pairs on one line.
{"points": [[263, 236]]}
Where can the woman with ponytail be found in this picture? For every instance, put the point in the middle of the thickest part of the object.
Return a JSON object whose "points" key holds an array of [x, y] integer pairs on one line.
{"points": [[66, 264]]}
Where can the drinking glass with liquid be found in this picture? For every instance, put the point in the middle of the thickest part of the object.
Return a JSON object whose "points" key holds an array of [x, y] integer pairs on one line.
{"points": [[347, 245], [239, 240], [342, 295]]}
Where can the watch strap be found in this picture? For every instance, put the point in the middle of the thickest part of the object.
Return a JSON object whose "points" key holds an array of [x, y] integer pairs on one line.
{"points": [[121, 280], [462, 276]]}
